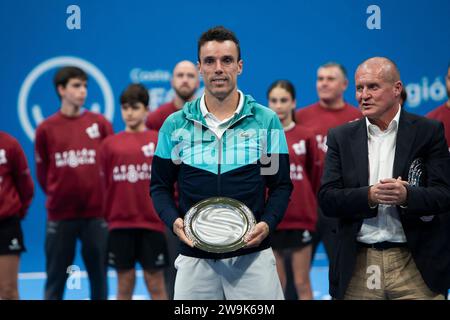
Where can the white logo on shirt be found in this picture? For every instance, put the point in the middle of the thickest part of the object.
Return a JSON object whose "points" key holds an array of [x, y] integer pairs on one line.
{"points": [[159, 260], [296, 172], [148, 149], [3, 159], [322, 142], [14, 246], [93, 131], [132, 173], [306, 236], [75, 158], [299, 148]]}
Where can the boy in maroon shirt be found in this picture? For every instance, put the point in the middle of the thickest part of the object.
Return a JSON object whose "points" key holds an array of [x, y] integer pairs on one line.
{"points": [[442, 113], [67, 145], [330, 111], [136, 231], [16, 193]]}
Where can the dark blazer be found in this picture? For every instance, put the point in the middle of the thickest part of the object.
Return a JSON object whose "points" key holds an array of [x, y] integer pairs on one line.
{"points": [[344, 195]]}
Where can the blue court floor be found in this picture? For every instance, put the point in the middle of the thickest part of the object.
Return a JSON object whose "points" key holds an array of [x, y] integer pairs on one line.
{"points": [[31, 284]]}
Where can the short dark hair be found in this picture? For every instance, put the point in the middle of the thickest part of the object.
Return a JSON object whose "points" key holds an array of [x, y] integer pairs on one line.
{"points": [[335, 64], [63, 75], [220, 34], [286, 85], [135, 93]]}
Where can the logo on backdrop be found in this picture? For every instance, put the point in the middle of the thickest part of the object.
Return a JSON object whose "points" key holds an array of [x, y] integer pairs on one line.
{"points": [[424, 91], [30, 113]]}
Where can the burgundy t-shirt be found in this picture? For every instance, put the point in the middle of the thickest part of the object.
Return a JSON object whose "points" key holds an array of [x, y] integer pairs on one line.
{"points": [[320, 120], [67, 164], [304, 165], [16, 184], [156, 118], [442, 113], [126, 163]]}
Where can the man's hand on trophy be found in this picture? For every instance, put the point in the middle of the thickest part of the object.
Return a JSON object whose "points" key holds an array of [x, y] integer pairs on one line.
{"points": [[259, 232], [178, 229]]}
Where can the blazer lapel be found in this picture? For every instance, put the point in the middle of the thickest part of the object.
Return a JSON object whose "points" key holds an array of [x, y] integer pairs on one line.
{"points": [[405, 137], [360, 152]]}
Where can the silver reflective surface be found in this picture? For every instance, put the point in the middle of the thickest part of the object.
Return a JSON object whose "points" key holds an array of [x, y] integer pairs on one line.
{"points": [[218, 224]]}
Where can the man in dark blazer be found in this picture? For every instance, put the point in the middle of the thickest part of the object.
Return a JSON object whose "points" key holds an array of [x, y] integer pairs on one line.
{"points": [[387, 180]]}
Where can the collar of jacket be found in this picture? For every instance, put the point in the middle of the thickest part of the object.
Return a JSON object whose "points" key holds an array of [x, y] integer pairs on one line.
{"points": [[192, 111], [405, 140]]}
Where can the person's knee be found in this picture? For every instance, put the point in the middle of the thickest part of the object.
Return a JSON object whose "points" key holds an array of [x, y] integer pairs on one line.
{"points": [[155, 283], [302, 282], [126, 281], [156, 288], [127, 277], [8, 291], [125, 289]]}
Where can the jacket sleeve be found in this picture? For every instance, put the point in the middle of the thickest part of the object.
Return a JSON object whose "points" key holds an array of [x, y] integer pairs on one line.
{"points": [[277, 175], [164, 176], [22, 179], [335, 198], [434, 198]]}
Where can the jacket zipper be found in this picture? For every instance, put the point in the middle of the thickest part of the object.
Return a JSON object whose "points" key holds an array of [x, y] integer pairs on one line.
{"points": [[219, 189], [219, 140]]}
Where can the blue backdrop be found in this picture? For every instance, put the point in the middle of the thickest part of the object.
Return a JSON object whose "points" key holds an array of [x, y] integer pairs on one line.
{"points": [[127, 41]]}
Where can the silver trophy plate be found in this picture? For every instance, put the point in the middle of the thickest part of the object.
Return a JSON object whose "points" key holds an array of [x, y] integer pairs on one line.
{"points": [[218, 224], [416, 173]]}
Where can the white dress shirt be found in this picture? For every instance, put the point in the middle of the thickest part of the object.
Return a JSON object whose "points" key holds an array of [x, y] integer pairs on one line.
{"points": [[386, 226], [214, 124]]}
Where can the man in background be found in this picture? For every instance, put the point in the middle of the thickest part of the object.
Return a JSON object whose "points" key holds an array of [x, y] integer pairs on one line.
{"points": [[442, 113], [185, 82], [330, 111]]}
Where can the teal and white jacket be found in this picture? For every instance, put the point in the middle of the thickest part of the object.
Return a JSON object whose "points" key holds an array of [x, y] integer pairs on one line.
{"points": [[249, 163]]}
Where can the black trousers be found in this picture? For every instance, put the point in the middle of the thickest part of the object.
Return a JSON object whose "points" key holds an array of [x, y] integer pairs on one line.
{"points": [[325, 232], [60, 244]]}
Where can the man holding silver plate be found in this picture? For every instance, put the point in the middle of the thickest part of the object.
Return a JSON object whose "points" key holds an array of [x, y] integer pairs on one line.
{"points": [[229, 157]]}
